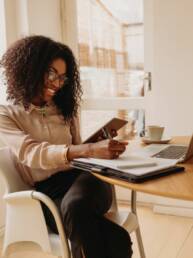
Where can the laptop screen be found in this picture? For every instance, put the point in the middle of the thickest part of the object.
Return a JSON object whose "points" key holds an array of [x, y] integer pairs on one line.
{"points": [[189, 152]]}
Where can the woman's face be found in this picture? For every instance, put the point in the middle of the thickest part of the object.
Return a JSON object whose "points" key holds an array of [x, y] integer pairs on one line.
{"points": [[55, 78]]}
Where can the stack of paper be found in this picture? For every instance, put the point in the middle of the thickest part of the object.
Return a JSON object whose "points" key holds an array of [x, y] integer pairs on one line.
{"points": [[132, 164]]}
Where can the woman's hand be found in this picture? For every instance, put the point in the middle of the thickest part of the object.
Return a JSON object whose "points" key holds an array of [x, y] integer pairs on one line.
{"points": [[106, 149], [113, 133]]}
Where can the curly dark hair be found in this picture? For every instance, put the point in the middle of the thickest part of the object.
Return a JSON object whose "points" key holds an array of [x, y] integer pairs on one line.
{"points": [[25, 64]]}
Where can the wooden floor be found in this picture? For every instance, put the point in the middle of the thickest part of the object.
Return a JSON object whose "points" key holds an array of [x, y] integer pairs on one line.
{"points": [[163, 236]]}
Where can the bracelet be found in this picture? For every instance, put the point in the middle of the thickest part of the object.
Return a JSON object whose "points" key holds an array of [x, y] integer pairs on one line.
{"points": [[66, 155]]}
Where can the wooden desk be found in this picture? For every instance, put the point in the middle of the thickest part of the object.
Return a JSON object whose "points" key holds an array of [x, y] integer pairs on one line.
{"points": [[179, 185]]}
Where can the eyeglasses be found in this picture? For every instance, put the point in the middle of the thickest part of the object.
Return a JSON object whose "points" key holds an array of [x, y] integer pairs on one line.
{"points": [[52, 76]]}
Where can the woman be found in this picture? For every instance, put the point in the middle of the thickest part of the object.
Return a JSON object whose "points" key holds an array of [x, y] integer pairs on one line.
{"points": [[41, 127]]}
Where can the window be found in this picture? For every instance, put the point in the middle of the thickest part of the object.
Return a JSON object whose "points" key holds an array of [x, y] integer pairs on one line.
{"points": [[111, 63]]}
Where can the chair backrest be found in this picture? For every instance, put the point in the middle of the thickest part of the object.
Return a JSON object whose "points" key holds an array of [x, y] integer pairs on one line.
{"points": [[8, 172]]}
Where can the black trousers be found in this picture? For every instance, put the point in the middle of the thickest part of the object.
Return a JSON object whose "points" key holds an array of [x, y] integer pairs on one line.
{"points": [[82, 200]]}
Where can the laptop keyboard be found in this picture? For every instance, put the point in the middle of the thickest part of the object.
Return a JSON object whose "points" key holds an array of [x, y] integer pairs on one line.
{"points": [[172, 152]]}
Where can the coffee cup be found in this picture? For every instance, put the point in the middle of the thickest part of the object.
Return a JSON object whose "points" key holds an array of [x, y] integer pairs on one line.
{"points": [[155, 132]]}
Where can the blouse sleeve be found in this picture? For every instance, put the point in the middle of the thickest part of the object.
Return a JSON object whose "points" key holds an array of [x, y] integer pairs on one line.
{"points": [[28, 151], [75, 131]]}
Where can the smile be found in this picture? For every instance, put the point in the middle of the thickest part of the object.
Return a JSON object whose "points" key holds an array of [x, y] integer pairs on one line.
{"points": [[52, 91]]}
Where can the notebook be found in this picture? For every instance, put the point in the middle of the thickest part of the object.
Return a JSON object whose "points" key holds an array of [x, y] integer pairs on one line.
{"points": [[132, 169]]}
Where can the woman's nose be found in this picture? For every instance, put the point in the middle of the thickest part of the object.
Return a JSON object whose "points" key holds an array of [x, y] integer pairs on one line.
{"points": [[56, 83]]}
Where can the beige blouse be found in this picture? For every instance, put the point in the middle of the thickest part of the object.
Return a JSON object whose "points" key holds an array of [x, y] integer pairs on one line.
{"points": [[39, 140]]}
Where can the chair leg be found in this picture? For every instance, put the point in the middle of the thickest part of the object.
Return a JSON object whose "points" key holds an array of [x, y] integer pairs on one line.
{"points": [[137, 231], [114, 206], [140, 243]]}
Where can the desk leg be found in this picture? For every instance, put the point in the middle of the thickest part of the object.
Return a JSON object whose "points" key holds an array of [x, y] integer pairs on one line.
{"points": [[137, 231]]}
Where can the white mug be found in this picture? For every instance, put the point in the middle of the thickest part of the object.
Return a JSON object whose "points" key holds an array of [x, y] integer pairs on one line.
{"points": [[155, 132]]}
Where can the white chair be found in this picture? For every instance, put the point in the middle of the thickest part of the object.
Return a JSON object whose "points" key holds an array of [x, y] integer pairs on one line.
{"points": [[25, 220]]}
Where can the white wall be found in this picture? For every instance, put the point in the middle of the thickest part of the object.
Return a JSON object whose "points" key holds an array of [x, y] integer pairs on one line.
{"points": [[171, 99], [44, 18], [2, 28], [27, 17]]}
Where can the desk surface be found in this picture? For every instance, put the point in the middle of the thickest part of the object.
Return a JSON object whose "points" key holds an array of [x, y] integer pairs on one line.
{"points": [[178, 185]]}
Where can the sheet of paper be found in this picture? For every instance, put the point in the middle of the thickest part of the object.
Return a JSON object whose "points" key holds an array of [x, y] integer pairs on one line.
{"points": [[132, 160]]}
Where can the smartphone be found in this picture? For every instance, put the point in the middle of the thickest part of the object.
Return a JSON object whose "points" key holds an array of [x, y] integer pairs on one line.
{"points": [[114, 124]]}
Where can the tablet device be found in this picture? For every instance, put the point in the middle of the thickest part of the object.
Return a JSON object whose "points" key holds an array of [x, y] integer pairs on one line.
{"points": [[114, 124]]}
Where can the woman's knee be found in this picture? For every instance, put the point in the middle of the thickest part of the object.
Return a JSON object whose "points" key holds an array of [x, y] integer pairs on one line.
{"points": [[75, 216], [73, 207], [76, 212]]}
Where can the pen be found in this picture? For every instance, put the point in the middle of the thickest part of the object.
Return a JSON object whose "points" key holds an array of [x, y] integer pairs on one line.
{"points": [[106, 133], [137, 165]]}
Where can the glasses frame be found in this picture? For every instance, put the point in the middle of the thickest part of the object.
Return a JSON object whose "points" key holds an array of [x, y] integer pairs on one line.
{"points": [[52, 76]]}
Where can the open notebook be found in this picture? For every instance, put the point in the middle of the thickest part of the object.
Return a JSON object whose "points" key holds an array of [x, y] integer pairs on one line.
{"points": [[132, 168]]}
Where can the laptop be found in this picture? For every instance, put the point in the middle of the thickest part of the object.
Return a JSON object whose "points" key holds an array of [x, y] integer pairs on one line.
{"points": [[175, 152]]}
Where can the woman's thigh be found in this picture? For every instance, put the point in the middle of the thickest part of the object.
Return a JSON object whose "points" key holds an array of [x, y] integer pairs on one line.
{"points": [[66, 187], [87, 189], [58, 184], [56, 187]]}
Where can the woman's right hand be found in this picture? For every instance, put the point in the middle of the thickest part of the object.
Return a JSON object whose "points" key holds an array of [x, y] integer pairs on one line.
{"points": [[106, 149]]}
